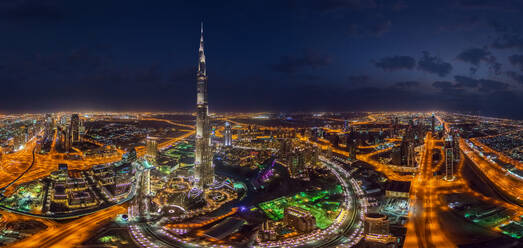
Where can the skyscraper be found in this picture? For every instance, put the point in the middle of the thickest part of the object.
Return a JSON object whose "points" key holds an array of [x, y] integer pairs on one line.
{"points": [[204, 170], [227, 136], [75, 124], [433, 122], [449, 158], [67, 141], [151, 145]]}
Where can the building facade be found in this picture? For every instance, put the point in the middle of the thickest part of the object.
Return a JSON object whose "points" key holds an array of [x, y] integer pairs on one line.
{"points": [[300, 219]]}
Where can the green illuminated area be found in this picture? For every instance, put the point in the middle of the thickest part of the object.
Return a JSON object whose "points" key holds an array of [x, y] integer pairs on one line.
{"points": [[319, 203], [179, 150], [165, 169], [488, 217], [179, 155], [113, 240], [107, 239], [26, 198], [513, 229]]}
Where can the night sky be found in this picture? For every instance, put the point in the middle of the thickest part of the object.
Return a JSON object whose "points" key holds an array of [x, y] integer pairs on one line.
{"points": [[323, 55]]}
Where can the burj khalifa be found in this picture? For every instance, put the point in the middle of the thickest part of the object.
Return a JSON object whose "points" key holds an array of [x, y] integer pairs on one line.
{"points": [[204, 169]]}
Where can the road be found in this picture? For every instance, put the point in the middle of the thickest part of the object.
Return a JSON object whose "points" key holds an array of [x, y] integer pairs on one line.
{"points": [[72, 233], [508, 185], [423, 229]]}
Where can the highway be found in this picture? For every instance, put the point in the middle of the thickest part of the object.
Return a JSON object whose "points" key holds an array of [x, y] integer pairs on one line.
{"points": [[423, 229], [501, 156], [497, 176], [72, 233]]}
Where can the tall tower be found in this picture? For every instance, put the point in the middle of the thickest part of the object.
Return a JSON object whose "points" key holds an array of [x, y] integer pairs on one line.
{"points": [[75, 123], [449, 159], [204, 171], [151, 145], [227, 134], [433, 122]]}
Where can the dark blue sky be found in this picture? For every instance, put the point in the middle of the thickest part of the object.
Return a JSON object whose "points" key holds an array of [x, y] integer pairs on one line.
{"points": [[461, 55]]}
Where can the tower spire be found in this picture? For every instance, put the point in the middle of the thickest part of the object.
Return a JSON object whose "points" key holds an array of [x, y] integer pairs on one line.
{"points": [[201, 53]]}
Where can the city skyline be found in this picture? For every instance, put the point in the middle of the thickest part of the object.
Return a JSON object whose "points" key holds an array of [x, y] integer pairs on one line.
{"points": [[271, 56], [292, 123]]}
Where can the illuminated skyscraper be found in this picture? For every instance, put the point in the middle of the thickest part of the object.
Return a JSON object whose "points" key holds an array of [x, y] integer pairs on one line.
{"points": [[68, 140], [227, 136], [433, 122], [204, 170], [75, 124], [151, 146], [449, 158]]}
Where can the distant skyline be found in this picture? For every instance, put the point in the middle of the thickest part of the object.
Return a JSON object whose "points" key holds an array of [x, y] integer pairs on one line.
{"points": [[323, 55]]}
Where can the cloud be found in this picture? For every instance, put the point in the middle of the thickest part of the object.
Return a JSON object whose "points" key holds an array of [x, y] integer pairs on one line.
{"points": [[31, 10], [395, 63], [516, 60], [406, 85], [443, 85], [508, 36], [507, 41], [293, 64], [374, 28], [462, 83], [475, 56], [465, 82], [515, 76], [468, 23], [434, 64], [358, 79], [487, 85], [483, 85]]}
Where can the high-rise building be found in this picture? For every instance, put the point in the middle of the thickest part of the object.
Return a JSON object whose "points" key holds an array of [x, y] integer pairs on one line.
{"points": [[74, 131], [68, 140], [297, 164], [151, 149], [227, 136], [204, 171], [81, 129], [315, 158], [411, 156], [433, 122], [449, 158], [49, 122], [285, 149]]}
